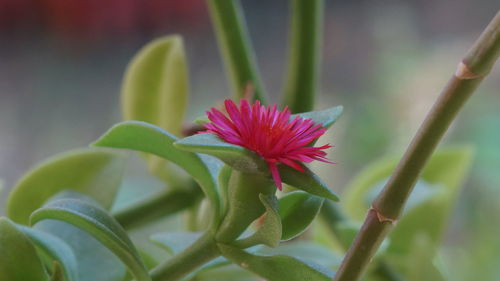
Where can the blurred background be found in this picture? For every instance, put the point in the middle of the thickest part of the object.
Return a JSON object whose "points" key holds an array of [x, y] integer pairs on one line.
{"points": [[62, 61]]}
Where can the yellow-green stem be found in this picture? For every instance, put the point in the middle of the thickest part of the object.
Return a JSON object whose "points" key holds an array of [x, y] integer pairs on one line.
{"points": [[388, 206]]}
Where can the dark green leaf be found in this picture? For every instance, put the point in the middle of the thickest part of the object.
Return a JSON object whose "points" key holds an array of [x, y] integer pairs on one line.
{"points": [[276, 268], [57, 272], [99, 224], [88, 171], [18, 257], [57, 250], [297, 211], [148, 138]]}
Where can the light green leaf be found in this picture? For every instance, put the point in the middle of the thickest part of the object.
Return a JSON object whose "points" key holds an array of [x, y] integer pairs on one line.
{"points": [[88, 171], [155, 90], [56, 249], [326, 117], [148, 138], [175, 242], [276, 268], [248, 161], [100, 225], [155, 87], [297, 211], [269, 233], [18, 258]]}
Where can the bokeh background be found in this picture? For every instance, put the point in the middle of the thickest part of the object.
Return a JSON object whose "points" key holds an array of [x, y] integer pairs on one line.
{"points": [[62, 61]]}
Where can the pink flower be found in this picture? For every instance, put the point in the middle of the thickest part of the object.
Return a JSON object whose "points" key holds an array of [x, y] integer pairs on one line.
{"points": [[270, 133]]}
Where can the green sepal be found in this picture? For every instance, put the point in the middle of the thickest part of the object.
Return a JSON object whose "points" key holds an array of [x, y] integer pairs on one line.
{"points": [[18, 258], [88, 171], [247, 161], [326, 117], [56, 249], [276, 268], [145, 137], [307, 181], [95, 221], [233, 155], [269, 233], [297, 211]]}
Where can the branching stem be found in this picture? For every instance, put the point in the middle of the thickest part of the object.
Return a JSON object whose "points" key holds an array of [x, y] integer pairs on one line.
{"points": [[388, 206]]}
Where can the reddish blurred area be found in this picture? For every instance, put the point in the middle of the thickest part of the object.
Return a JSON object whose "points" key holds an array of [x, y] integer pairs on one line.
{"points": [[94, 20]]}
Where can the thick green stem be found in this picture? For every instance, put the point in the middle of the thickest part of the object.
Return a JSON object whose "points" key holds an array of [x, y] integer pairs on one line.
{"points": [[234, 44], [388, 206], [158, 205], [202, 251], [304, 55]]}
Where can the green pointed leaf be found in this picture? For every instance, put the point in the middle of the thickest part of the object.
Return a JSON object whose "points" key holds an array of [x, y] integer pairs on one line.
{"points": [[56, 249], [148, 138], [100, 225], [307, 181], [155, 87], [88, 171], [175, 242], [235, 156], [276, 268], [269, 233], [18, 258], [326, 117], [297, 211]]}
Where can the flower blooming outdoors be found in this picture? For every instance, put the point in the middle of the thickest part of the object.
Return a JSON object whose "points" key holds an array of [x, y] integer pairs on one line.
{"points": [[270, 133]]}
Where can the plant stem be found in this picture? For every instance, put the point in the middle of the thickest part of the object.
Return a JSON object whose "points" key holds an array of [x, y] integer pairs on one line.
{"points": [[388, 206], [157, 205], [199, 253], [304, 56], [234, 44]]}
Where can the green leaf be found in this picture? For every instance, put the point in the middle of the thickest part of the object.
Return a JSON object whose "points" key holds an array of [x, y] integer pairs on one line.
{"points": [[235, 156], [307, 181], [155, 90], [248, 161], [175, 242], [326, 117], [88, 171], [276, 268], [18, 258], [56, 249], [269, 233], [155, 87], [100, 225], [148, 138], [297, 211]]}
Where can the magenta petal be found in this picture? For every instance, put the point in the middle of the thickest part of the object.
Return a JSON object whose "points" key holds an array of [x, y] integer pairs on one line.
{"points": [[276, 174]]}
